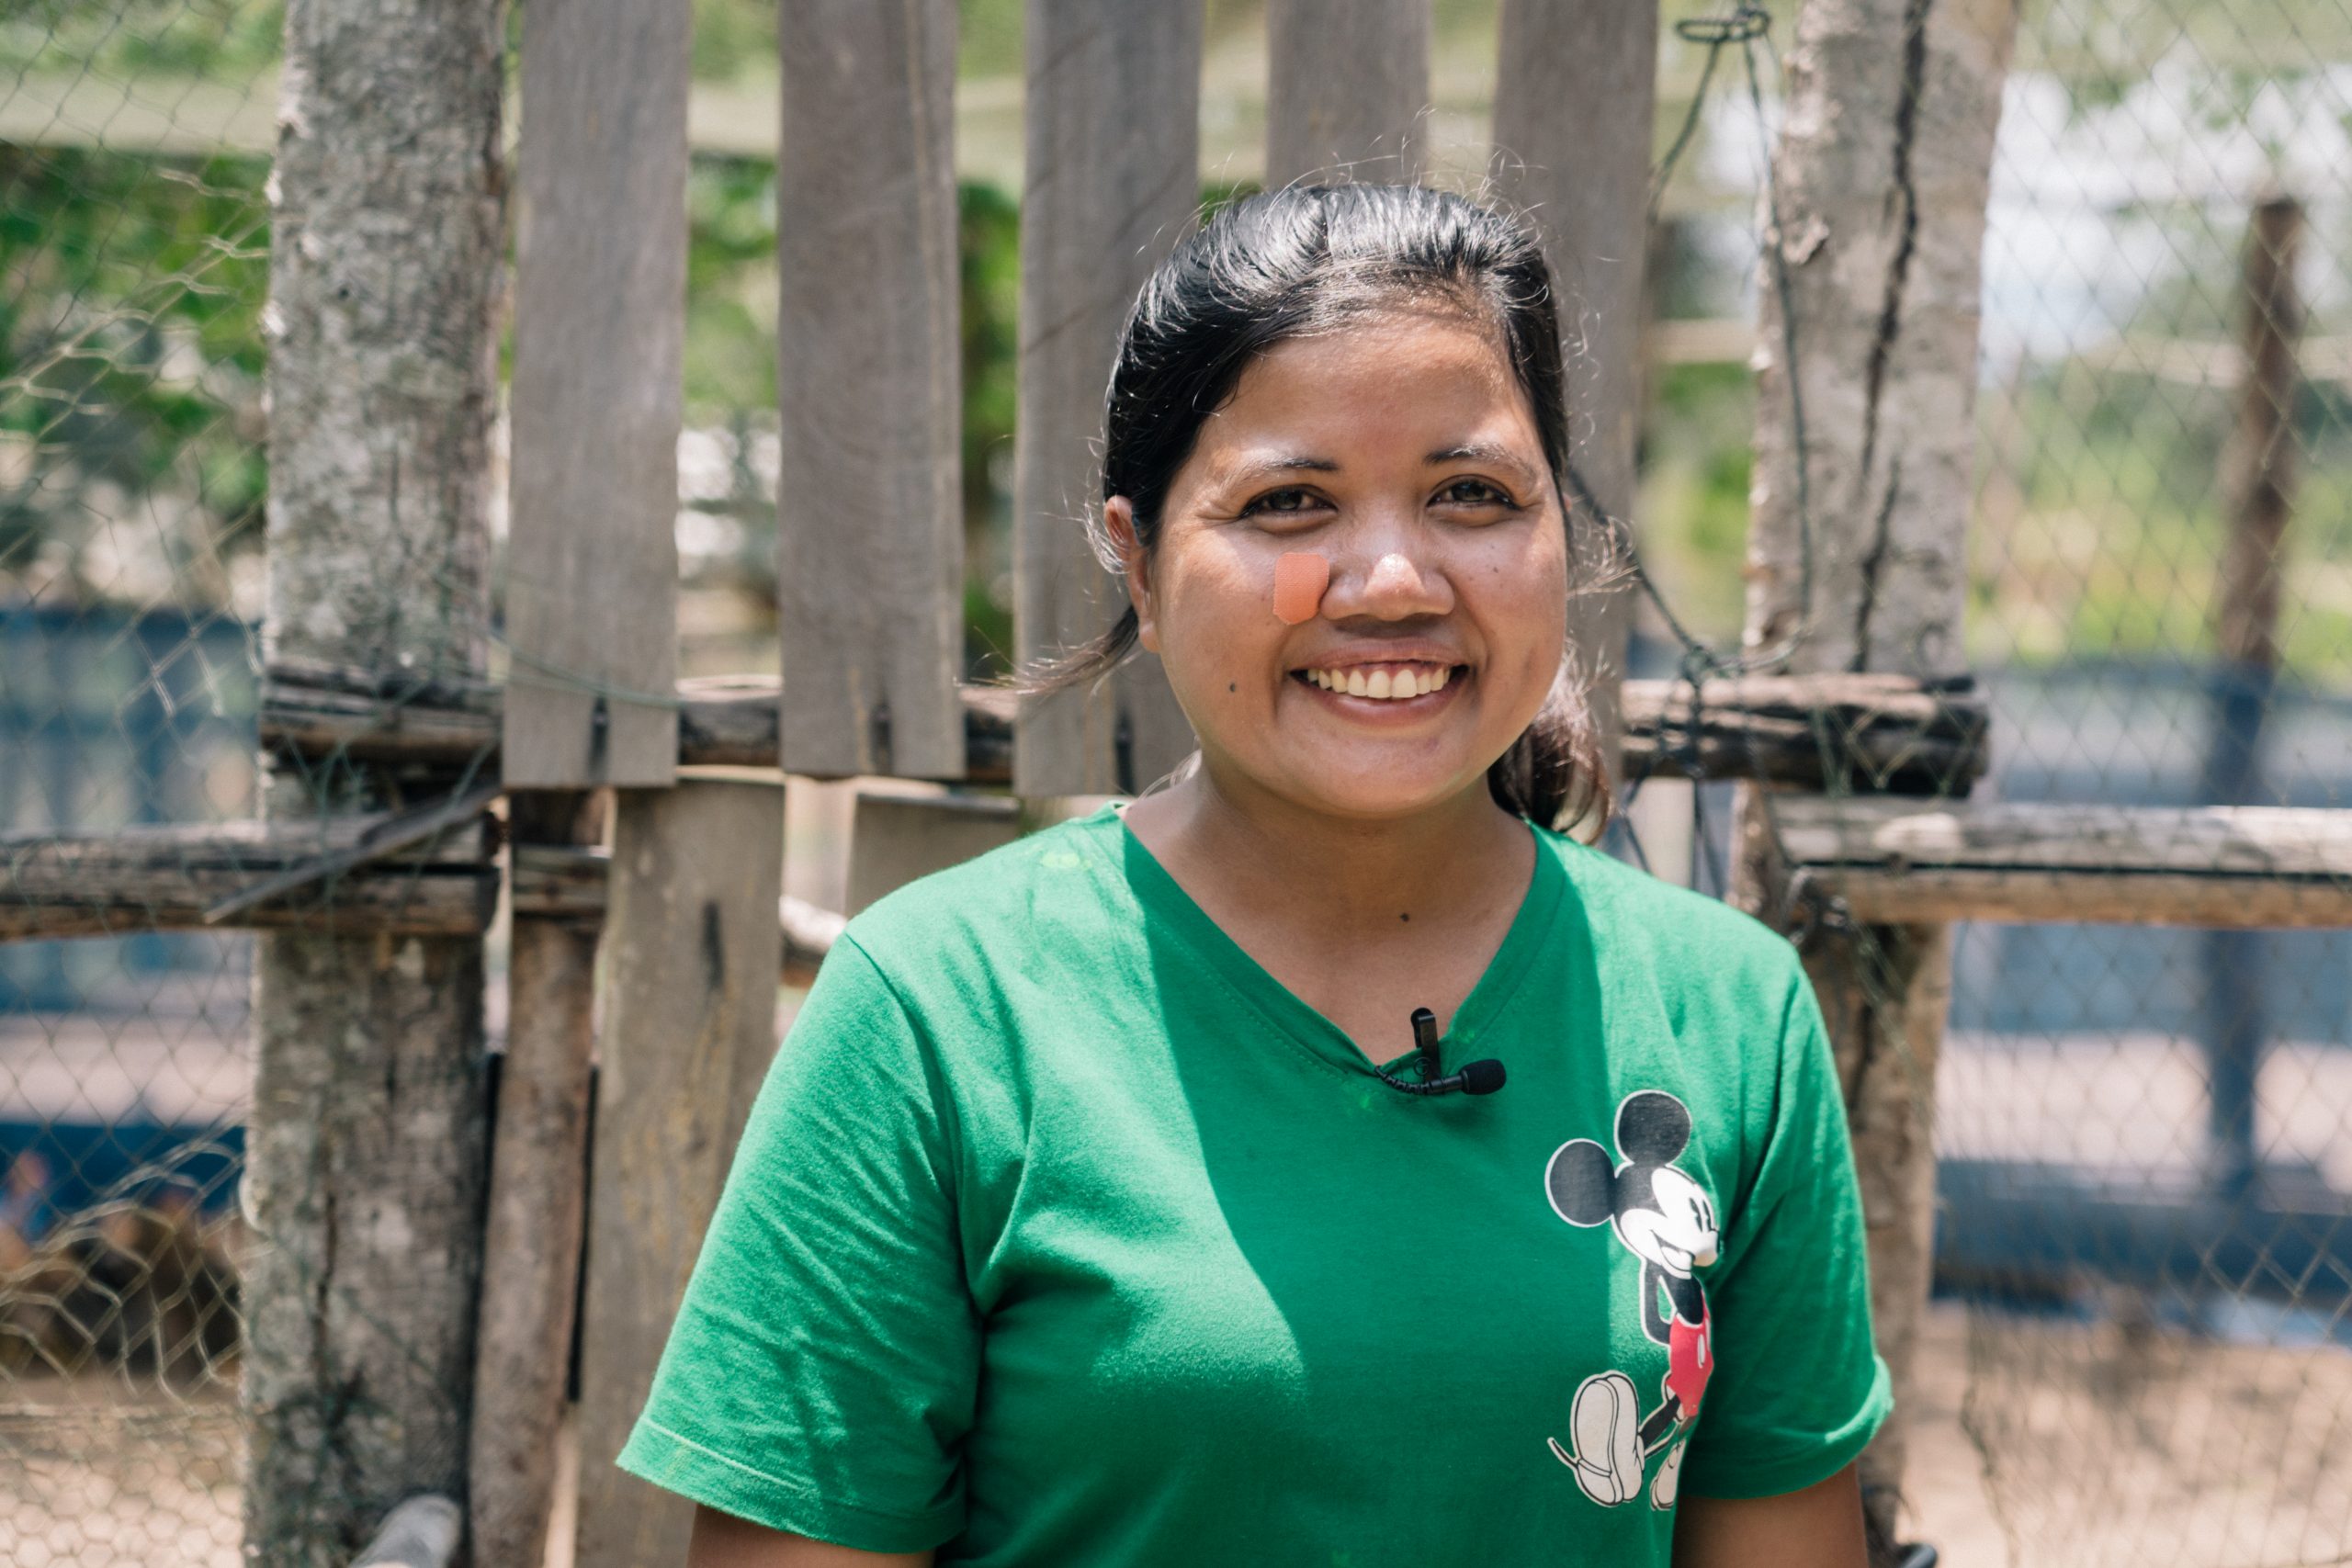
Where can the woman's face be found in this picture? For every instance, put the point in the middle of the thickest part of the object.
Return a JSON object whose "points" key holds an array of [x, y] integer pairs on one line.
{"points": [[1402, 449]]}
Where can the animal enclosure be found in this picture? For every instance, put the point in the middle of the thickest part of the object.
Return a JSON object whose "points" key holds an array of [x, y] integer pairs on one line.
{"points": [[417, 590]]}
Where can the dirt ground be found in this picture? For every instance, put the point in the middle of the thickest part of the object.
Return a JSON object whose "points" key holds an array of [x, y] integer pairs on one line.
{"points": [[104, 1474], [2102, 1445]]}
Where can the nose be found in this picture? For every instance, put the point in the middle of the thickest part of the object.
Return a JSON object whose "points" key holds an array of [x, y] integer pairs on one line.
{"points": [[1396, 580]]}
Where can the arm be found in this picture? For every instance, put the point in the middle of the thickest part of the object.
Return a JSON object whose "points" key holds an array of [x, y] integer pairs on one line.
{"points": [[722, 1540], [1820, 1527]]}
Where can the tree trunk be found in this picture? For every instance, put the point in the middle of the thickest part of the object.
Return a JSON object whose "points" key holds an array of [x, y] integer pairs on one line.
{"points": [[365, 1150], [1876, 236]]}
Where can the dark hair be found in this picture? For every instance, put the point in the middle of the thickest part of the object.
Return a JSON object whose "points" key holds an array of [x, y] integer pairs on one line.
{"points": [[1300, 260]]}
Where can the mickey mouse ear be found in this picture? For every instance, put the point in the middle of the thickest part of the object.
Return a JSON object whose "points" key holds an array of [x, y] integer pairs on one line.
{"points": [[1652, 1127], [1582, 1183]]}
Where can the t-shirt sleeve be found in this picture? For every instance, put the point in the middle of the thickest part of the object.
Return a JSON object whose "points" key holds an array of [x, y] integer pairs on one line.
{"points": [[822, 1372], [1798, 1387]]}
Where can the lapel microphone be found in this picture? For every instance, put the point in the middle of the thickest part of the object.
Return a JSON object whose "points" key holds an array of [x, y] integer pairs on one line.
{"points": [[1476, 1078]]}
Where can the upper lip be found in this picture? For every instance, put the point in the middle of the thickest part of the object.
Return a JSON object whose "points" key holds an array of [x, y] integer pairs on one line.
{"points": [[1369, 654]]}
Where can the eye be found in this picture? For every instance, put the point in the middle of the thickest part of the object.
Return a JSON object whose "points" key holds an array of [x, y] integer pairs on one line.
{"points": [[1289, 500], [1474, 492]]}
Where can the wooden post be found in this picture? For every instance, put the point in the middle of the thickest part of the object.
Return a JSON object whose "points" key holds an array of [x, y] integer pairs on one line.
{"points": [[600, 297], [1348, 90], [1882, 173], [2258, 482], [870, 531], [531, 1267], [1575, 95], [1113, 123], [366, 1148], [690, 1002]]}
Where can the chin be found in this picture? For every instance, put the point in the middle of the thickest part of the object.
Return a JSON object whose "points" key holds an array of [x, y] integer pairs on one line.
{"points": [[1371, 792]]}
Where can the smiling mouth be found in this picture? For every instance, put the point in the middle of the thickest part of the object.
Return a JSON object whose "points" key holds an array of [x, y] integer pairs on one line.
{"points": [[1383, 682]]}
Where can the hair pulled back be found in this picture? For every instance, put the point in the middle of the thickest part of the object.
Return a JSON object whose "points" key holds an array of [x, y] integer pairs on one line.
{"points": [[1301, 261]]}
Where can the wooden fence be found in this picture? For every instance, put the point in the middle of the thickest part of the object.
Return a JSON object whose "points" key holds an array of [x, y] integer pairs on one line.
{"points": [[642, 817]]}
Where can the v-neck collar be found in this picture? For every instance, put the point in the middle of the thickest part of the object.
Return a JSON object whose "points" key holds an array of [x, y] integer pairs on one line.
{"points": [[1164, 899]]}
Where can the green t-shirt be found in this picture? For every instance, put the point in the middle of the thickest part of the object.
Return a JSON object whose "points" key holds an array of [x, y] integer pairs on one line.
{"points": [[1061, 1233]]}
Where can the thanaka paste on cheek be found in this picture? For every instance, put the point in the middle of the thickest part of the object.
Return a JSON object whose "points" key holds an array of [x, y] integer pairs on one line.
{"points": [[1300, 578]]}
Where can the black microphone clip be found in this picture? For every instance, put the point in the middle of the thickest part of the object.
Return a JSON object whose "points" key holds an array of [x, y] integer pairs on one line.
{"points": [[1476, 1078]]}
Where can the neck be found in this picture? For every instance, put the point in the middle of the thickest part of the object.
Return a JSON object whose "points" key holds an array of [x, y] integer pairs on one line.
{"points": [[1356, 873]]}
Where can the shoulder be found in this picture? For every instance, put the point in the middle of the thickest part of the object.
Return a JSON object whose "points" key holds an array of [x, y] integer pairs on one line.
{"points": [[1680, 942]]}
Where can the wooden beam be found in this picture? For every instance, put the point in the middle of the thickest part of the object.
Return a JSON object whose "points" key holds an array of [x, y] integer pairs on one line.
{"points": [[166, 878], [2244, 867], [600, 302], [570, 885], [537, 1203], [870, 574], [1873, 732], [1348, 90], [1867, 734], [689, 1010], [1575, 95], [1112, 176]]}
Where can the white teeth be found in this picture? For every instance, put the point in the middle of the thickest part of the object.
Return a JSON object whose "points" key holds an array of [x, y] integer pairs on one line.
{"points": [[1381, 685]]}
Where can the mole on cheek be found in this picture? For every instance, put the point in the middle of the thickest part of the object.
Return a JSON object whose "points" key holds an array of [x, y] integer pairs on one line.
{"points": [[1300, 579]]}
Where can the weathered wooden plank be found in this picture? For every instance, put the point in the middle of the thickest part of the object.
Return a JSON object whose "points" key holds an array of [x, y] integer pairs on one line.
{"points": [[1872, 732], [365, 1145], [2284, 843], [690, 1004], [870, 536], [600, 286], [569, 885], [1865, 453], [1889, 733], [1113, 177], [2227, 903], [169, 878], [1348, 90], [1576, 94], [894, 839], [532, 1234]]}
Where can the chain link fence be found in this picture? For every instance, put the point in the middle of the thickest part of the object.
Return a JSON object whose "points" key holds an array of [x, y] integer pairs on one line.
{"points": [[133, 275], [2139, 1353]]}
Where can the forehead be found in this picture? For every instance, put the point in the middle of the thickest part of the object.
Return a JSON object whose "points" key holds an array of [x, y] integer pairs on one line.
{"points": [[1392, 380]]}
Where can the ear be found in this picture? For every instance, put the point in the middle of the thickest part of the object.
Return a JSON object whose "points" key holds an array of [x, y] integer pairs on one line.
{"points": [[1582, 1183], [1134, 567], [1652, 1127]]}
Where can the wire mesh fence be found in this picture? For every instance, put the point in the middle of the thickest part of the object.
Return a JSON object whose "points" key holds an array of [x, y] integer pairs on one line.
{"points": [[2142, 1131], [133, 270]]}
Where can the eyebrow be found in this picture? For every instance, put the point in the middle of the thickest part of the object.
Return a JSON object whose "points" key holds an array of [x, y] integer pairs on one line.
{"points": [[1477, 452], [1255, 468], [1250, 470]]}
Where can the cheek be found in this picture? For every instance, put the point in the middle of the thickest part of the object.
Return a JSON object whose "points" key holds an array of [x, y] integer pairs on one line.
{"points": [[1214, 613], [1521, 595]]}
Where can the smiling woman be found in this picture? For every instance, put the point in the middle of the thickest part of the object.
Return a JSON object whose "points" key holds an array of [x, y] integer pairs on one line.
{"points": [[1080, 1221]]}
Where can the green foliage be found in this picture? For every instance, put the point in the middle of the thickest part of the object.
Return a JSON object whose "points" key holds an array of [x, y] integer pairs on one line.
{"points": [[214, 38], [1692, 511], [131, 349]]}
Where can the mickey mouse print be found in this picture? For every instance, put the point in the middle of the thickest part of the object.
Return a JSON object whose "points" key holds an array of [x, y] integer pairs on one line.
{"points": [[1667, 1219]]}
